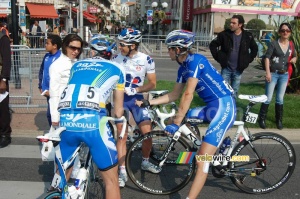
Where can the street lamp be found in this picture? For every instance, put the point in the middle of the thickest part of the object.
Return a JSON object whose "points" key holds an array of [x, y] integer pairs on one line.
{"points": [[159, 15]]}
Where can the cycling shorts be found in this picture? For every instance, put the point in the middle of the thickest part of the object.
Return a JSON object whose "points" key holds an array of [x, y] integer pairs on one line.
{"points": [[90, 127], [139, 114], [220, 114]]}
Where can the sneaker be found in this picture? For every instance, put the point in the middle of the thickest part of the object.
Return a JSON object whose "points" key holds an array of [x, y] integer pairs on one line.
{"points": [[122, 180], [150, 167]]}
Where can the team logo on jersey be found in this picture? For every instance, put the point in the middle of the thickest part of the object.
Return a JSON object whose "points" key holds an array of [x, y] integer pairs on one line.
{"points": [[78, 121], [138, 68], [149, 60]]}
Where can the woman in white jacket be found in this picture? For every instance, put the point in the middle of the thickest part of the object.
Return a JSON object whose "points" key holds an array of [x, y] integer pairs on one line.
{"points": [[59, 72]]}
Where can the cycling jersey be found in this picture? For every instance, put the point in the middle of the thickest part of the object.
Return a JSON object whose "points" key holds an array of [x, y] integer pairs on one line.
{"points": [[220, 109], [82, 110], [136, 69], [211, 85]]}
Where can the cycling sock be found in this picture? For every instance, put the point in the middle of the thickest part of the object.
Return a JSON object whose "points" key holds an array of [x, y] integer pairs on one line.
{"points": [[145, 160], [122, 169]]}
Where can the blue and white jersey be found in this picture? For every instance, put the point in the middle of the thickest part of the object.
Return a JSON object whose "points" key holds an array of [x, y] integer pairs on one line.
{"points": [[136, 68], [91, 83], [211, 85]]}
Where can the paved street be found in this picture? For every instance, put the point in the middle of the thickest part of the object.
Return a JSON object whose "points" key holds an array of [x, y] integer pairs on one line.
{"points": [[24, 176]]}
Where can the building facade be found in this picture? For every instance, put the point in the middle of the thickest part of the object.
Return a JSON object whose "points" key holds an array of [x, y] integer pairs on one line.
{"points": [[209, 15]]}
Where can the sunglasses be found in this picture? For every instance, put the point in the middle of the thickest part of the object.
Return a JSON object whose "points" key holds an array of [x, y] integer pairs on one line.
{"points": [[74, 48], [285, 30], [123, 44]]}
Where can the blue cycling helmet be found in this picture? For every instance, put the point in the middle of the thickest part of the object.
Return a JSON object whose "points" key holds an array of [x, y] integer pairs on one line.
{"points": [[103, 46], [130, 35], [180, 38]]}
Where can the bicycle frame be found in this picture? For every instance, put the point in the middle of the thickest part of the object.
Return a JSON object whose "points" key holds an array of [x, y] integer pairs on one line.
{"points": [[197, 142]]}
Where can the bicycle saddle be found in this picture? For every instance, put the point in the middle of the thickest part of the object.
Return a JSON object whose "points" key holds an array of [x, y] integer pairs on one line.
{"points": [[254, 98], [53, 135]]}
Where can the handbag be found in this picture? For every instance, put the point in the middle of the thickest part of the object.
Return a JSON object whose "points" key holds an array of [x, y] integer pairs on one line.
{"points": [[290, 65]]}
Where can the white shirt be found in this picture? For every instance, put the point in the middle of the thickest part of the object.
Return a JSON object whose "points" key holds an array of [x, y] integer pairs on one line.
{"points": [[59, 73], [136, 68]]}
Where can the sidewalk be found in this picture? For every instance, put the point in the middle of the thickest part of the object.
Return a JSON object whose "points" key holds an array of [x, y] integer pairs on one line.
{"points": [[33, 122]]}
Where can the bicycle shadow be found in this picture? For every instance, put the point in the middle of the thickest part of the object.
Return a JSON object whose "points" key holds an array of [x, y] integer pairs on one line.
{"points": [[46, 171]]}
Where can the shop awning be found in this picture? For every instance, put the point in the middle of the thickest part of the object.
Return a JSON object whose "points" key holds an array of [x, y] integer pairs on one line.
{"points": [[42, 10], [3, 15], [91, 18]]}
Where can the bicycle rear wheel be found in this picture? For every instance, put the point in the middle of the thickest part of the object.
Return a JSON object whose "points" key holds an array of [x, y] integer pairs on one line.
{"points": [[172, 178], [95, 189], [276, 153], [51, 195]]}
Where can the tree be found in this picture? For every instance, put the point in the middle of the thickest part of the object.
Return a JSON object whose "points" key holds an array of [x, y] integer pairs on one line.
{"points": [[255, 25], [227, 24]]}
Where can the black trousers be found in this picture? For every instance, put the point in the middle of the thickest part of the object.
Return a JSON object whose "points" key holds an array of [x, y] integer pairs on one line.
{"points": [[5, 117]]}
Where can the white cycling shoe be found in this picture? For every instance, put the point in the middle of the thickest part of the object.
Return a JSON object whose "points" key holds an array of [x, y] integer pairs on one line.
{"points": [[150, 167], [122, 180]]}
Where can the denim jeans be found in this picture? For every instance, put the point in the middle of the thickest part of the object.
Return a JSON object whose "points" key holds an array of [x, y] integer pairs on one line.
{"points": [[233, 78], [280, 81]]}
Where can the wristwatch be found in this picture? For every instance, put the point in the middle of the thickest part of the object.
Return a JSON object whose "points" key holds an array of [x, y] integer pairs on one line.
{"points": [[4, 79]]}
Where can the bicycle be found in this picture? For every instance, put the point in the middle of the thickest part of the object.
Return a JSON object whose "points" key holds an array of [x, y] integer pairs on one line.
{"points": [[271, 162], [86, 186], [157, 117]]}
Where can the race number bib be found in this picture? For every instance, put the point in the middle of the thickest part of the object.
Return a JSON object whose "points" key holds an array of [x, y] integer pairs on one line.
{"points": [[88, 97], [251, 117], [66, 97]]}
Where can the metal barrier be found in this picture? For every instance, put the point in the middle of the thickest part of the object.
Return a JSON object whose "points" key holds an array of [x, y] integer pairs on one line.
{"points": [[26, 62]]}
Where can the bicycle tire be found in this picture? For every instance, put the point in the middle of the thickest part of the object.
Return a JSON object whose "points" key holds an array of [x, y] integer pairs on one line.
{"points": [[172, 178], [95, 186], [276, 152], [51, 195]]}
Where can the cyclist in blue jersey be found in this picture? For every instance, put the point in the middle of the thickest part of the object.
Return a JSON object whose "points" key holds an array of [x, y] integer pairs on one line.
{"points": [[82, 112], [196, 74], [137, 66]]}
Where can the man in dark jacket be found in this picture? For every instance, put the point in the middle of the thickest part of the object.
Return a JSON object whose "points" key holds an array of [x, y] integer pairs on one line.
{"points": [[35, 34], [234, 49], [5, 67]]}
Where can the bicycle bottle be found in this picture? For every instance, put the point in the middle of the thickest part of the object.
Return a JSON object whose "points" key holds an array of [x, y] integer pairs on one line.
{"points": [[72, 192], [80, 179]]}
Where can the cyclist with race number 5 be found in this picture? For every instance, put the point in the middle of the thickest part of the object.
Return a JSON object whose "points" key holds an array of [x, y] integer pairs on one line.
{"points": [[196, 74]]}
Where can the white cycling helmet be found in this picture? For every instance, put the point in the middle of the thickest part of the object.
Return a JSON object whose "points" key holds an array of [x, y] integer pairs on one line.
{"points": [[130, 35], [180, 38], [103, 45]]}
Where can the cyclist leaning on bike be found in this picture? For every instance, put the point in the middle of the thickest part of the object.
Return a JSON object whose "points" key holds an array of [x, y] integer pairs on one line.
{"points": [[196, 73], [82, 112]]}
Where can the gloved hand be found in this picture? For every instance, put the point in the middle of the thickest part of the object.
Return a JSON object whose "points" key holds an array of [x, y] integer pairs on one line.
{"points": [[172, 128], [145, 103], [130, 91]]}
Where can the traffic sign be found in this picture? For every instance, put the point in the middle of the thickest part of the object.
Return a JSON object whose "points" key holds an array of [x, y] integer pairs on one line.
{"points": [[149, 13], [149, 18]]}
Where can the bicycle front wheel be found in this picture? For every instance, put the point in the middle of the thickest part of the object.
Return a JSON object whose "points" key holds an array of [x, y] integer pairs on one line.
{"points": [[51, 195], [95, 189], [173, 176], [270, 170]]}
